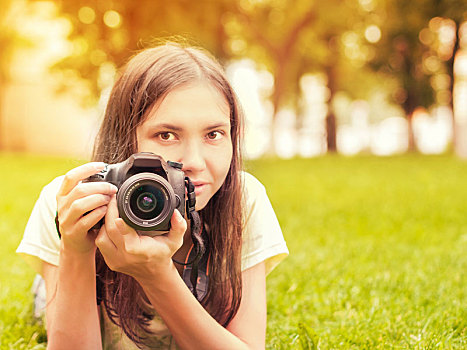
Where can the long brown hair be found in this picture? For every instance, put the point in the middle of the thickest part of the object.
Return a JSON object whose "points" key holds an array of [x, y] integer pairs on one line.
{"points": [[146, 78]]}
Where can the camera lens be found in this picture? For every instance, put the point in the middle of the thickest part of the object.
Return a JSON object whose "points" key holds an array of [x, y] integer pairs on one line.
{"points": [[147, 201]]}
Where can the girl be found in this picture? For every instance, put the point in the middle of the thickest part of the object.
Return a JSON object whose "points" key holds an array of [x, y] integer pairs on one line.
{"points": [[115, 289]]}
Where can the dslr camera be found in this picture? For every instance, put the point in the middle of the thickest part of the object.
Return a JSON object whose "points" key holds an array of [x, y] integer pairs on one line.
{"points": [[149, 190]]}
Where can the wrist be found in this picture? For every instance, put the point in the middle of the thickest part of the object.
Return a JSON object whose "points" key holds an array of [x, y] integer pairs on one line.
{"points": [[76, 268], [76, 255], [159, 280]]}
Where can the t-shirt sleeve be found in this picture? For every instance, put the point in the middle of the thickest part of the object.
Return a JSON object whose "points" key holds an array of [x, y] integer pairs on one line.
{"points": [[262, 236], [40, 240]]}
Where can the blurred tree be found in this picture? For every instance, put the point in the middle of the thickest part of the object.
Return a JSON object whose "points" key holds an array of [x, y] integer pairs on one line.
{"points": [[292, 38], [106, 33], [455, 11], [401, 53], [270, 33], [335, 50]]}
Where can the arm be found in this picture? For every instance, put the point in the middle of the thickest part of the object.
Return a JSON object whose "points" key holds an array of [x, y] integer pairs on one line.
{"points": [[148, 260], [72, 314], [193, 328]]}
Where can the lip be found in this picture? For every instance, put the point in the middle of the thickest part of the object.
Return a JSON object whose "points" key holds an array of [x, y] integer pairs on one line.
{"points": [[199, 186]]}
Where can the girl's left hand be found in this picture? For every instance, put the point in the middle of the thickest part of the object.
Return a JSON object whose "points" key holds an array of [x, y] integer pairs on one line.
{"points": [[141, 257]]}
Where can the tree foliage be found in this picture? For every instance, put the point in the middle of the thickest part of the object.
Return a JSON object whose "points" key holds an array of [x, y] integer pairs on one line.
{"points": [[402, 54], [293, 38], [106, 33], [344, 39]]}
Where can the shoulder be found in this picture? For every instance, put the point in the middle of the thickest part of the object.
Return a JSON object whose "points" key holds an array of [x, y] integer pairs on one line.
{"points": [[252, 188], [254, 195], [40, 240], [262, 235], [53, 186], [49, 192], [47, 198], [249, 181]]}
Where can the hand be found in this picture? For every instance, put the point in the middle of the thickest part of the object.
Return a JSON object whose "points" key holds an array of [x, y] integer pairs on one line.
{"points": [[142, 257], [80, 206]]}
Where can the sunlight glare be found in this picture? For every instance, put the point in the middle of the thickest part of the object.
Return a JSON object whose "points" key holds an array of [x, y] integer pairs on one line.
{"points": [[373, 34], [248, 85], [86, 14], [112, 19]]}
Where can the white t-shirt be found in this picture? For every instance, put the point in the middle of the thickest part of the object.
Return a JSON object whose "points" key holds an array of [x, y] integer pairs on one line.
{"points": [[262, 239]]}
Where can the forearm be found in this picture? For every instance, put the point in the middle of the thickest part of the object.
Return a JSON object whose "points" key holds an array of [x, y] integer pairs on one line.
{"points": [[190, 324], [73, 321]]}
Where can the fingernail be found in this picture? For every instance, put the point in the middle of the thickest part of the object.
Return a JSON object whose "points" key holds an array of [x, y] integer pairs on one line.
{"points": [[99, 165]]}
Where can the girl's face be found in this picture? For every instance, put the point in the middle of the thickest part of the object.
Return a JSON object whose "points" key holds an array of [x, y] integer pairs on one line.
{"points": [[191, 125]]}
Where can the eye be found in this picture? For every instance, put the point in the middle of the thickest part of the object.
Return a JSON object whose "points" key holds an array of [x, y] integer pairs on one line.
{"points": [[214, 135], [166, 136]]}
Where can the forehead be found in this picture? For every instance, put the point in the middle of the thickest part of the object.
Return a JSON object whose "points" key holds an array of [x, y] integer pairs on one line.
{"points": [[196, 103]]}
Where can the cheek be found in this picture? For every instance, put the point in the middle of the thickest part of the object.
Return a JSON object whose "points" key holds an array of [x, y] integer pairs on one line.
{"points": [[222, 166]]}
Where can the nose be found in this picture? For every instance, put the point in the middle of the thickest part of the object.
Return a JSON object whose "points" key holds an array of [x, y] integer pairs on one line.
{"points": [[193, 158]]}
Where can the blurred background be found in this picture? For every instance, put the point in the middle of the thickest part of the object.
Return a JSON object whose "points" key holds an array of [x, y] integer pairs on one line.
{"points": [[377, 244], [349, 76]]}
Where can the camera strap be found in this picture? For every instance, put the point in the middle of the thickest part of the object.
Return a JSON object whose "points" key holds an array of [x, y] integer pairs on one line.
{"points": [[200, 286], [192, 263]]}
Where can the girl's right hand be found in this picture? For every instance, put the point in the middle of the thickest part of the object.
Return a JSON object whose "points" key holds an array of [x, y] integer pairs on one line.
{"points": [[80, 205]]}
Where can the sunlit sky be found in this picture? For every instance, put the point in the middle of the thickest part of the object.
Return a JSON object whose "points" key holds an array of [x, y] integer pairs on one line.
{"points": [[359, 133]]}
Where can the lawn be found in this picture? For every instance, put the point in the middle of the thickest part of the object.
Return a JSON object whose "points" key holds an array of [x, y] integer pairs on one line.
{"points": [[378, 251]]}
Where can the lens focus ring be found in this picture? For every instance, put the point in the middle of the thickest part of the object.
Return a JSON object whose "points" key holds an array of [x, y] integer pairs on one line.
{"points": [[146, 200]]}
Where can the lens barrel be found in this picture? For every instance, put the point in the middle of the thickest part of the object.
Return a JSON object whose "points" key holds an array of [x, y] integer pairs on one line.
{"points": [[146, 201]]}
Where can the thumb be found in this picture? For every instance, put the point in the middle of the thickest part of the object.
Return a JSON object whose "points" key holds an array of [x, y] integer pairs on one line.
{"points": [[178, 228]]}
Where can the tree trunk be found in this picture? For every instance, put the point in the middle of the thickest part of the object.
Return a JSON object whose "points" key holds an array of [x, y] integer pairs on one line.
{"points": [[409, 106], [331, 132], [411, 136], [450, 67], [331, 122], [279, 85], [411, 102]]}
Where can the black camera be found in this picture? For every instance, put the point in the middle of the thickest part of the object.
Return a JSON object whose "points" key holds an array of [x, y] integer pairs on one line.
{"points": [[149, 190]]}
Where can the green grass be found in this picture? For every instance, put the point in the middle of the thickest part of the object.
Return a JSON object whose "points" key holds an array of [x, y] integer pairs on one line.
{"points": [[377, 251], [21, 180]]}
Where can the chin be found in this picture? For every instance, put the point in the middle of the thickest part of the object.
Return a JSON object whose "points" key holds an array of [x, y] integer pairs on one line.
{"points": [[199, 207], [200, 204]]}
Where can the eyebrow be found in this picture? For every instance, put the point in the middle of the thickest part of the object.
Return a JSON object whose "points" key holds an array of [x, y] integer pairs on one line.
{"points": [[218, 126], [168, 126]]}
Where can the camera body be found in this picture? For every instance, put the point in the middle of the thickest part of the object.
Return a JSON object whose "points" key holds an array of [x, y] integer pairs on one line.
{"points": [[149, 190]]}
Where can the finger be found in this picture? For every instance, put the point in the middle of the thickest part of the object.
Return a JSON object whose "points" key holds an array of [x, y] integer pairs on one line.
{"points": [[178, 228], [88, 221], [111, 223], [124, 229], [130, 238], [84, 189], [112, 213], [104, 243], [84, 206], [74, 176]]}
